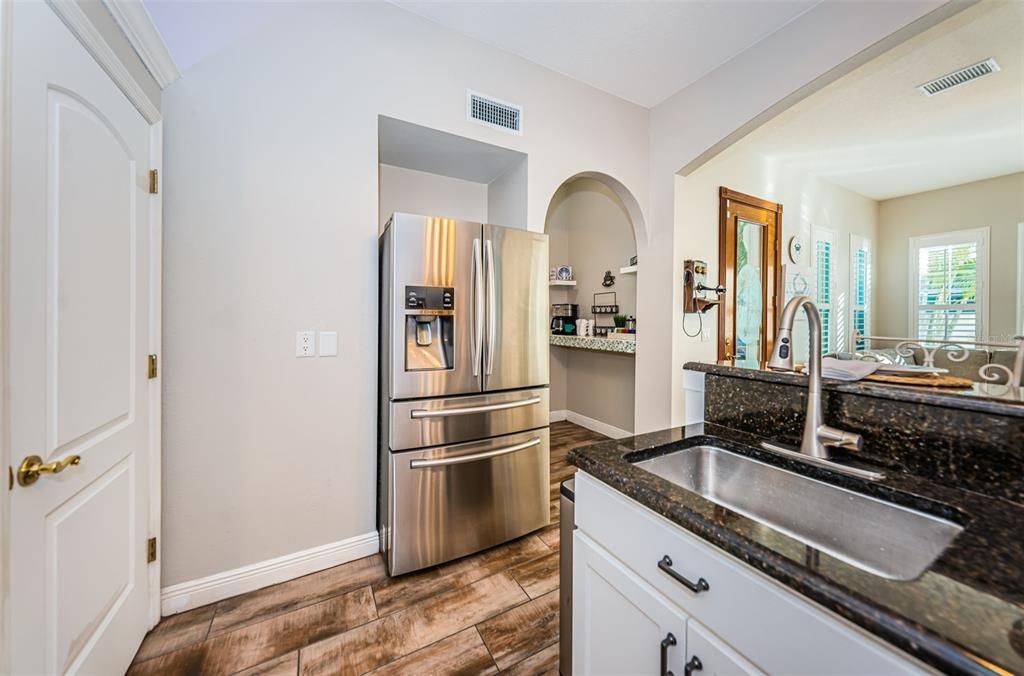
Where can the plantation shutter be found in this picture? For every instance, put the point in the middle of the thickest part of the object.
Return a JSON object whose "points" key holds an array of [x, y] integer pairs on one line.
{"points": [[823, 267], [947, 292], [861, 269]]}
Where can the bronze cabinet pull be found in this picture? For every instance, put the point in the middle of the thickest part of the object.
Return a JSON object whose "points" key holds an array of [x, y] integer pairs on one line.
{"points": [[666, 643], [701, 585]]}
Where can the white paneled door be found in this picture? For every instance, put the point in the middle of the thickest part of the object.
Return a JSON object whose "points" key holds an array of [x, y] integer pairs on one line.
{"points": [[80, 311]]}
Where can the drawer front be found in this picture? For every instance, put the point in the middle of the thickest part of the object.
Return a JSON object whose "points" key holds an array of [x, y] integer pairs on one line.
{"points": [[451, 420], [455, 500], [770, 625]]}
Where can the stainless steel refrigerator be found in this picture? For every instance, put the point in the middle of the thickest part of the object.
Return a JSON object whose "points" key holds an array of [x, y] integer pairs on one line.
{"points": [[463, 389]]}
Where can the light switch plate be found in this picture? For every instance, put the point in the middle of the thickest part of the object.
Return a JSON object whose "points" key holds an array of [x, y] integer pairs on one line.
{"points": [[328, 343], [305, 344]]}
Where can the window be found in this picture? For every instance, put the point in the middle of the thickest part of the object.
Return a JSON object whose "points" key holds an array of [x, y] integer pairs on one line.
{"points": [[824, 274], [860, 287], [948, 285]]}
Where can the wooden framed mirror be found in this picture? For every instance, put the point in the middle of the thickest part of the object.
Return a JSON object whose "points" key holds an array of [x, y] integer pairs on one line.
{"points": [[750, 265]]}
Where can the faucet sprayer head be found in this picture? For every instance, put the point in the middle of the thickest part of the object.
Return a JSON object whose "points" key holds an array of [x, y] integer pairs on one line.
{"points": [[782, 353]]}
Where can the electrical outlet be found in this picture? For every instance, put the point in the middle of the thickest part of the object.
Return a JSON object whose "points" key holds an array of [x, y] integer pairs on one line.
{"points": [[305, 343]]}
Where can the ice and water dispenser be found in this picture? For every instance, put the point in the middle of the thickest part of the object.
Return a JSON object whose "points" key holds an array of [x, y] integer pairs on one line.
{"points": [[429, 328]]}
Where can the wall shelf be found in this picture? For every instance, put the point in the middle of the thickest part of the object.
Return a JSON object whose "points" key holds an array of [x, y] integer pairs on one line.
{"points": [[559, 282], [595, 344], [628, 270]]}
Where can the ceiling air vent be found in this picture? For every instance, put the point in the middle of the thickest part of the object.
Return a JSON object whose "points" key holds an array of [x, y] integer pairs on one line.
{"points": [[494, 113], [959, 77]]}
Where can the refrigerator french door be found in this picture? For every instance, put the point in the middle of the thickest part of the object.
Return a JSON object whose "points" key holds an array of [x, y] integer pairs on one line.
{"points": [[464, 410]]}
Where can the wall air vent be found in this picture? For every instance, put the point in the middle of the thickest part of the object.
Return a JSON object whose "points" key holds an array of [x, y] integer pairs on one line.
{"points": [[494, 113], [959, 77]]}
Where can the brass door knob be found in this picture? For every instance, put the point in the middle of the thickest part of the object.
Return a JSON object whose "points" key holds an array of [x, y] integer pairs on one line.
{"points": [[33, 467]]}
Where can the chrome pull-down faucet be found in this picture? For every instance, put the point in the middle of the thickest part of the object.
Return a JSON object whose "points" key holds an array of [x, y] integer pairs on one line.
{"points": [[817, 435]]}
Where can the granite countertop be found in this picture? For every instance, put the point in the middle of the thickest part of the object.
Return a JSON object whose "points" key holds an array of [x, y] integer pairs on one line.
{"points": [[965, 614], [982, 397], [596, 344]]}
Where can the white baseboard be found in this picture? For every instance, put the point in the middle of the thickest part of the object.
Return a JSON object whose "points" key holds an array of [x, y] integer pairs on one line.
{"points": [[557, 416], [596, 425], [195, 593]]}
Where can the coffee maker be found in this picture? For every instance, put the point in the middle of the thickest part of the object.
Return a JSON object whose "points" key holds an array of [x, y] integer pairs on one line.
{"points": [[563, 318]]}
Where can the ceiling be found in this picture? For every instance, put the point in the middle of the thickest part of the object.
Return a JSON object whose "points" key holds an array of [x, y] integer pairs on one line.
{"points": [[640, 50], [874, 133], [195, 31], [403, 144]]}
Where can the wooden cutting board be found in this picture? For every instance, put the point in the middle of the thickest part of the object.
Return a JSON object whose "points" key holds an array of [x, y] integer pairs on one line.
{"points": [[932, 380]]}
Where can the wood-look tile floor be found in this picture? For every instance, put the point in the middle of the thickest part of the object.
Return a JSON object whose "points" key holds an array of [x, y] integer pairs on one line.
{"points": [[495, 611]]}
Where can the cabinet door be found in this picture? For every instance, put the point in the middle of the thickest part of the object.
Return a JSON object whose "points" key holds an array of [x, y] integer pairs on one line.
{"points": [[619, 621], [707, 655]]}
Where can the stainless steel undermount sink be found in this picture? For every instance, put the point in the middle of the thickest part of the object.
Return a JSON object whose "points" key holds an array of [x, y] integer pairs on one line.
{"points": [[880, 537]]}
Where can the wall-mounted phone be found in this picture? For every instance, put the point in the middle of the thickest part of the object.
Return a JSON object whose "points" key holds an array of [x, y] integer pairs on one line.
{"points": [[695, 290]]}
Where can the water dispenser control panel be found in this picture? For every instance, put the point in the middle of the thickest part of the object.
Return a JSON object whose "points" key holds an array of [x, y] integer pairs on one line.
{"points": [[429, 298]]}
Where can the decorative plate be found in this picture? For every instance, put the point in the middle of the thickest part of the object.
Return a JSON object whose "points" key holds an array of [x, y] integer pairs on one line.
{"points": [[565, 273], [796, 248]]}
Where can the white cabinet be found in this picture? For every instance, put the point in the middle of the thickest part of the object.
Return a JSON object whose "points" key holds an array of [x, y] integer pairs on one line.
{"points": [[738, 621], [621, 625], [706, 655]]}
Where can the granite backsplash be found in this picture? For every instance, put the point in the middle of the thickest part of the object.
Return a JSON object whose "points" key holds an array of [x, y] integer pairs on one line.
{"points": [[963, 448]]}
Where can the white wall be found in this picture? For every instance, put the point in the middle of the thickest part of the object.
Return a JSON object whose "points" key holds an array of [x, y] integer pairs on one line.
{"points": [[813, 50], [507, 198], [418, 192], [270, 227], [590, 229], [996, 203]]}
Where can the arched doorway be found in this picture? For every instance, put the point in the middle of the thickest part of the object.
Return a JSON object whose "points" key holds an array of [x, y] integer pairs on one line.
{"points": [[594, 223]]}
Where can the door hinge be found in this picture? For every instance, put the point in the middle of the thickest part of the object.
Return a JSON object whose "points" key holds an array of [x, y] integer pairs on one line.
{"points": [[152, 366], [150, 550], [154, 182]]}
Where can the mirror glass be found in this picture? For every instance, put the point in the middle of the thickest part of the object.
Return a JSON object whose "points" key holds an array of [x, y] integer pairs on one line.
{"points": [[749, 293], [901, 193]]}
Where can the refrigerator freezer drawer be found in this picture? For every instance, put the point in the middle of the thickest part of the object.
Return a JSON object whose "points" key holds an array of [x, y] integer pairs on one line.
{"points": [[456, 500], [452, 420]]}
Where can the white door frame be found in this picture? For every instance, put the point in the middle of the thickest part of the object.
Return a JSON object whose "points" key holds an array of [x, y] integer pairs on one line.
{"points": [[71, 14], [1019, 328], [6, 12]]}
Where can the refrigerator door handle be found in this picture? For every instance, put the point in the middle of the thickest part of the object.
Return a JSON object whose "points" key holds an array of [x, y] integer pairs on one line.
{"points": [[478, 310], [472, 457], [492, 311], [467, 410]]}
